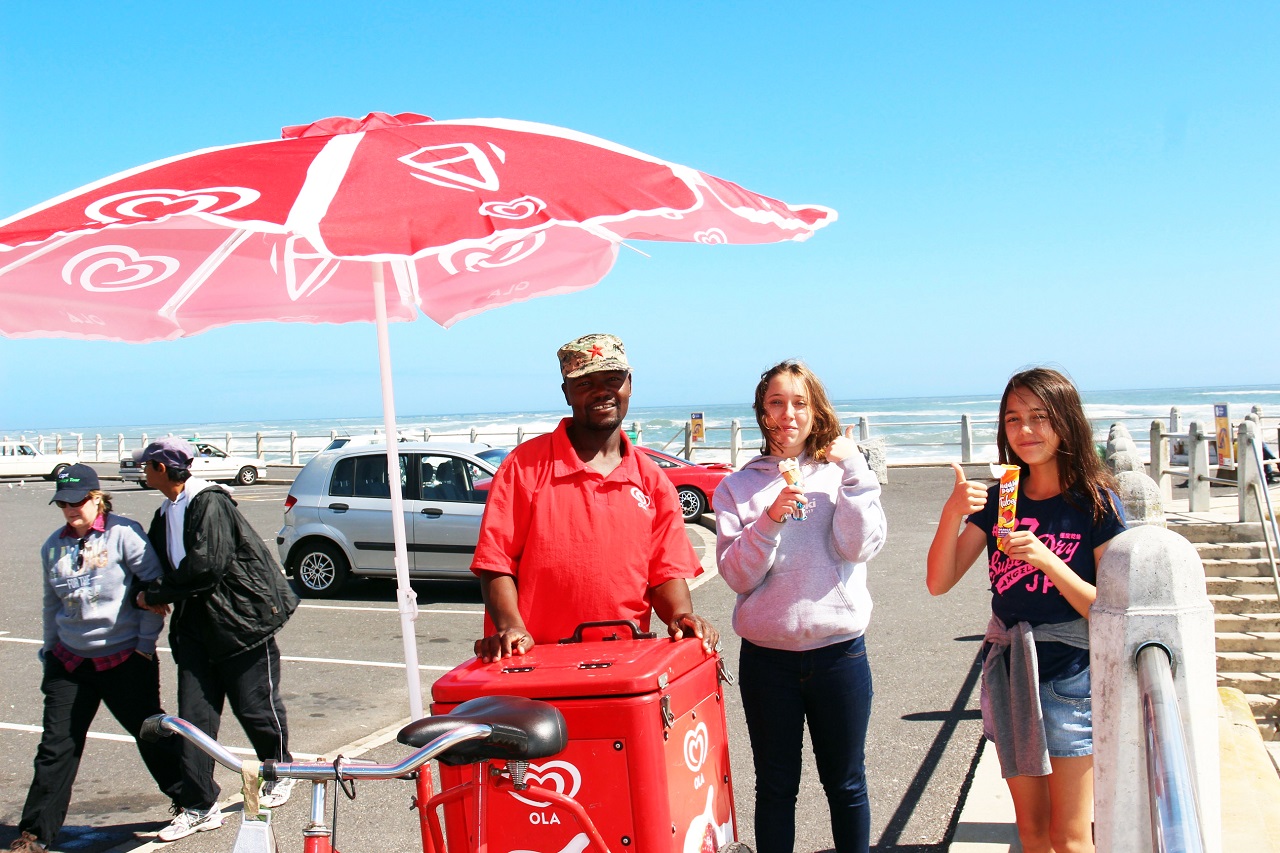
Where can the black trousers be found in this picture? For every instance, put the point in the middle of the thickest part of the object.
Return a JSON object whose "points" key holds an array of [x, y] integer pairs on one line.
{"points": [[131, 692], [250, 681]]}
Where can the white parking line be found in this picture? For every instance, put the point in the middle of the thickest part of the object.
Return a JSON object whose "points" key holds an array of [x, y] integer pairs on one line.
{"points": [[294, 658], [238, 750], [421, 611]]}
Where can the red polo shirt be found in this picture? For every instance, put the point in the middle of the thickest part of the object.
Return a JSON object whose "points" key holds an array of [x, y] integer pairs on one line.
{"points": [[582, 546]]}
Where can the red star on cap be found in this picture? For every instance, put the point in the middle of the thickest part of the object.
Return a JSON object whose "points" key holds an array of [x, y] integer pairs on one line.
{"points": [[596, 352]]}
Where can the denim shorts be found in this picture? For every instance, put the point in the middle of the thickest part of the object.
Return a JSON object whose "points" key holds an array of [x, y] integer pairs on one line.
{"points": [[1068, 715], [1067, 707]]}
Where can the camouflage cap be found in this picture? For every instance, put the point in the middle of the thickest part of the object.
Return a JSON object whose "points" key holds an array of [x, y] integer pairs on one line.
{"points": [[591, 354]]}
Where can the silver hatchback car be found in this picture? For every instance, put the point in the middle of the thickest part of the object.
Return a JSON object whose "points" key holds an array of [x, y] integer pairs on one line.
{"points": [[337, 517]]}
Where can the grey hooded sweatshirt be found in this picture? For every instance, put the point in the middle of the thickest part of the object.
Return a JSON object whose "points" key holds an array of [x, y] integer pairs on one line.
{"points": [[801, 584]]}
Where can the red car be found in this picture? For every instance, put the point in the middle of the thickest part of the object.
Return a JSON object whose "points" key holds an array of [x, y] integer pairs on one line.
{"points": [[695, 483]]}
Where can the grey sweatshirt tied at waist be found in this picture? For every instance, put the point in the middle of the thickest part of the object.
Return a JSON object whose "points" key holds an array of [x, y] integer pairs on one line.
{"points": [[1013, 715]]}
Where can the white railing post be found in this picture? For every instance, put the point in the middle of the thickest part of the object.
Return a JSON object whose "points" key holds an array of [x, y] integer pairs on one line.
{"points": [[1197, 469], [97, 447], [966, 439], [57, 443], [144, 441], [226, 447], [864, 428], [293, 447], [1175, 420], [519, 435], [1247, 479], [639, 431], [79, 443], [688, 440], [1158, 468], [735, 441], [1150, 591], [473, 435], [120, 445]]}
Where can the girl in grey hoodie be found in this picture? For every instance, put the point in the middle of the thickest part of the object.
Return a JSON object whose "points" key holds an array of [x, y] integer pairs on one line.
{"points": [[796, 552]]}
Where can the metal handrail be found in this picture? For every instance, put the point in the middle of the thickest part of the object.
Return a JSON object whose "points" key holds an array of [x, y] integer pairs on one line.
{"points": [[1175, 811], [1269, 515]]}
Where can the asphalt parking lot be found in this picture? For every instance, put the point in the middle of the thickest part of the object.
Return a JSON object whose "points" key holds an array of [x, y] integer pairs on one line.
{"points": [[344, 688]]}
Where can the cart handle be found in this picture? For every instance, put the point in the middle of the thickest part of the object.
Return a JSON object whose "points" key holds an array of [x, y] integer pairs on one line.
{"points": [[636, 633]]}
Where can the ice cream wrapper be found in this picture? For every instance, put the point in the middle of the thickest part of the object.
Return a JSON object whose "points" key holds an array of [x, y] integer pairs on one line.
{"points": [[1007, 517]]}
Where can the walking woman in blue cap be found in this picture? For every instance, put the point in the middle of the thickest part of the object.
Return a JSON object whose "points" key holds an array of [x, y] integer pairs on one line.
{"points": [[98, 648]]}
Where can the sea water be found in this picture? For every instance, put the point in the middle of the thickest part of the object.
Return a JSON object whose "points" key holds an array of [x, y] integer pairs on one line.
{"points": [[915, 429]]}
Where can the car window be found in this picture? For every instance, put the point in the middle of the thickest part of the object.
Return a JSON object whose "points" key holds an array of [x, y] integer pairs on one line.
{"points": [[25, 450], [662, 461], [364, 477], [447, 478]]}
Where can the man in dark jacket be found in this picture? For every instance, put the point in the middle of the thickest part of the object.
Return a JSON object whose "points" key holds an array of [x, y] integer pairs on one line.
{"points": [[229, 599]]}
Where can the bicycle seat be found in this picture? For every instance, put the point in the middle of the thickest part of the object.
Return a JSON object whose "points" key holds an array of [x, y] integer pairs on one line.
{"points": [[523, 729]]}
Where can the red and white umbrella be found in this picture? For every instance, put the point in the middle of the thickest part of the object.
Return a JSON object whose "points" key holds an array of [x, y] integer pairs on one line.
{"points": [[466, 215]]}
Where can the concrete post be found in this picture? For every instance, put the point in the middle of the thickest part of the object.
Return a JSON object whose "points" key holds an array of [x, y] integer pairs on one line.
{"points": [[79, 443], [257, 444], [1150, 591], [639, 432], [1175, 420], [688, 440], [293, 447], [97, 447], [473, 435], [1197, 468], [226, 445], [520, 436], [735, 441], [1159, 466], [966, 439], [1247, 480], [1140, 497], [144, 441], [864, 429], [57, 443]]}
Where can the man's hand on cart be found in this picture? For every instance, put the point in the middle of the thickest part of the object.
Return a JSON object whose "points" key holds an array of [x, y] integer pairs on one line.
{"points": [[691, 624], [504, 644]]}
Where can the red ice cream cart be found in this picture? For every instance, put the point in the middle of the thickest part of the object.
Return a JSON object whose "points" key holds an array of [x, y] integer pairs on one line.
{"points": [[648, 753]]}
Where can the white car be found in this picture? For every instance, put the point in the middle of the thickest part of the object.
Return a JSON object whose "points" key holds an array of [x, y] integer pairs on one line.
{"points": [[211, 463], [21, 459]]}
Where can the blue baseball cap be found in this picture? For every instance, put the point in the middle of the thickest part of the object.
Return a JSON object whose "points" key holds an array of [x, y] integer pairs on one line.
{"points": [[75, 483]]}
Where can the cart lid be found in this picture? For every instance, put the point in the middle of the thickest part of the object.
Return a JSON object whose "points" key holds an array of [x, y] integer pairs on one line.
{"points": [[575, 670]]}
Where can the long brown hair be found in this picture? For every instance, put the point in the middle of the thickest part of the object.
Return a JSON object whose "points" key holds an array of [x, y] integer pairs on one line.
{"points": [[1081, 475], [826, 423]]}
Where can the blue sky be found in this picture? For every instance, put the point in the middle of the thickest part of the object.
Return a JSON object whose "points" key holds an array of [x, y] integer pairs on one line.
{"points": [[1091, 185]]}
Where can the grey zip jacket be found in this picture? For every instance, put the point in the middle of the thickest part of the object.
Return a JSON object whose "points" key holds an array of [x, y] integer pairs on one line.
{"points": [[801, 584]]}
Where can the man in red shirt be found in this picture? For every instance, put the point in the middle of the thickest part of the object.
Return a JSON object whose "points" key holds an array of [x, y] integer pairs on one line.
{"points": [[579, 527]]}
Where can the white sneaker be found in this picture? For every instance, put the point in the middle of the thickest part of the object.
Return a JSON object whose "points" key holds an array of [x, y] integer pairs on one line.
{"points": [[275, 794], [190, 821]]}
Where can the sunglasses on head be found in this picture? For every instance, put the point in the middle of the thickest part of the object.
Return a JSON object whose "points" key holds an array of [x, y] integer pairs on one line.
{"points": [[67, 504]]}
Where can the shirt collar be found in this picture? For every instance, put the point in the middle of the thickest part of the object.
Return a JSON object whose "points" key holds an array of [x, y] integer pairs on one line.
{"points": [[566, 462], [99, 525]]}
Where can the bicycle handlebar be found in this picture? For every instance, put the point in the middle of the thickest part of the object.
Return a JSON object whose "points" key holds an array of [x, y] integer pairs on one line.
{"points": [[164, 725]]}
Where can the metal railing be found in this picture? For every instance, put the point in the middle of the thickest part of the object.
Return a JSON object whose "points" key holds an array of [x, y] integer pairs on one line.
{"points": [[1175, 812]]}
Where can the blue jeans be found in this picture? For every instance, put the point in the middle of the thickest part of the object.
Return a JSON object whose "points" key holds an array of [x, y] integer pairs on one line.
{"points": [[829, 687]]}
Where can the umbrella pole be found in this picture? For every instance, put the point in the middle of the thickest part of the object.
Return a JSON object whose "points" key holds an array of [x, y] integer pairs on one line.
{"points": [[406, 598]]}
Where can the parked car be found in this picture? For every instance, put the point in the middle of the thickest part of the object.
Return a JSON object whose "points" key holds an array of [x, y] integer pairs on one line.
{"points": [[22, 459], [337, 516], [211, 463], [695, 482], [372, 438]]}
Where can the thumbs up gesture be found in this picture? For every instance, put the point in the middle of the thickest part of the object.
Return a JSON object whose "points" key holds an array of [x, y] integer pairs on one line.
{"points": [[967, 497]]}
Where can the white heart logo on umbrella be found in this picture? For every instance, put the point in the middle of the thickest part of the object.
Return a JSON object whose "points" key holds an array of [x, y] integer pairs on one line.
{"points": [[695, 747], [128, 205], [504, 255], [518, 208], [712, 237], [560, 776], [107, 269]]}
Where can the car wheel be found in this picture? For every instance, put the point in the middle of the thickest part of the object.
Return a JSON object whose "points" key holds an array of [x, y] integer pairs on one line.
{"points": [[321, 570], [57, 471], [692, 503], [248, 476]]}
